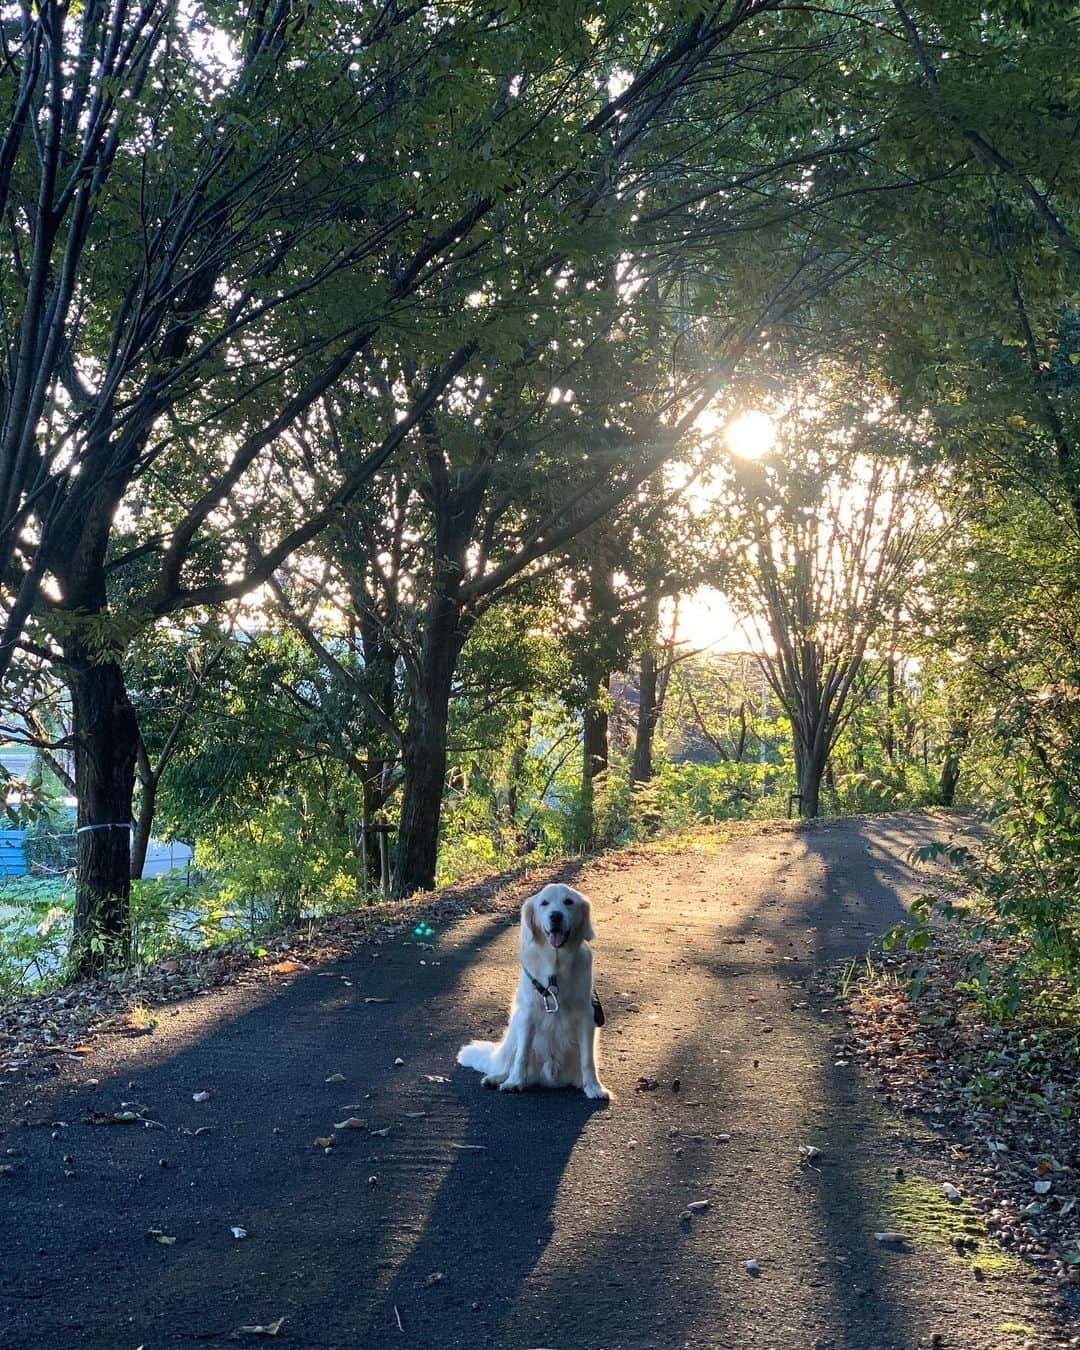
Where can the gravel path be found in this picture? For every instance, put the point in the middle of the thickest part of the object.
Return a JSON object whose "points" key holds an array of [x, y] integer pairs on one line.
{"points": [[482, 1219]]}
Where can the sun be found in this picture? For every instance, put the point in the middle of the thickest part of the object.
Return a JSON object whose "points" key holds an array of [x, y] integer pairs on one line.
{"points": [[751, 435]]}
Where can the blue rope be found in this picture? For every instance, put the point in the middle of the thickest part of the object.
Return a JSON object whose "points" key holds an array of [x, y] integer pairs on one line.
{"points": [[83, 828]]}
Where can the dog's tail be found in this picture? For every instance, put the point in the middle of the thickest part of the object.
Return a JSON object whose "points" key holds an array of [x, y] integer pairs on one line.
{"points": [[479, 1055]]}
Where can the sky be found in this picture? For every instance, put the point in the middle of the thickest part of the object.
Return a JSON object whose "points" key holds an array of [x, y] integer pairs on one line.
{"points": [[705, 618]]}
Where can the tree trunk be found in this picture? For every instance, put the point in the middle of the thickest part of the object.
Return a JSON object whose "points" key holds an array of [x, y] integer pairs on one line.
{"points": [[375, 796], [810, 790], [959, 732], [106, 737], [515, 768], [890, 710], [811, 754], [594, 755], [648, 713], [424, 749], [740, 743], [424, 764], [950, 777], [595, 733], [446, 627], [144, 824]]}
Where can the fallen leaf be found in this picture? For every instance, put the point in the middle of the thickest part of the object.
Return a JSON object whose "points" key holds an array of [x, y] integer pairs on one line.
{"points": [[269, 1329], [1043, 1187], [646, 1085], [238, 1232], [809, 1152], [285, 967], [752, 1267], [200, 1096], [479, 1148], [159, 1236], [325, 1141], [951, 1193], [352, 1123], [436, 1277], [380, 1134], [335, 1078], [698, 1206], [436, 1078], [890, 1239], [378, 1000]]}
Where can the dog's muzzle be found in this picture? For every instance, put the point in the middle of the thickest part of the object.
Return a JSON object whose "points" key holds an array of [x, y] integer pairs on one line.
{"points": [[556, 934]]}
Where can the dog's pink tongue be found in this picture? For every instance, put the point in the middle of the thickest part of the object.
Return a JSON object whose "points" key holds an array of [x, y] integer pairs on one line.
{"points": [[557, 937]]}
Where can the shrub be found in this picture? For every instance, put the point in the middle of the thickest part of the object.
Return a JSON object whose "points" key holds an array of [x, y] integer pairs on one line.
{"points": [[51, 845]]}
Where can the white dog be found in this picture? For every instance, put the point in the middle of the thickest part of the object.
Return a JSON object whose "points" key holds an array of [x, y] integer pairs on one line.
{"points": [[551, 1039]]}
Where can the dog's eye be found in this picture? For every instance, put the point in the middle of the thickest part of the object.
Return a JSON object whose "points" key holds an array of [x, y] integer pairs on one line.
{"points": [[543, 904], [568, 903]]}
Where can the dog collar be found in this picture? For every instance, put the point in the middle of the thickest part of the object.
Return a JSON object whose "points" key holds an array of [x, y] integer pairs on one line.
{"points": [[549, 992]]}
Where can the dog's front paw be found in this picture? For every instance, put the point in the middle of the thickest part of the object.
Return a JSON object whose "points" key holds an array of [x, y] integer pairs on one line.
{"points": [[511, 1085], [491, 1080], [597, 1091]]}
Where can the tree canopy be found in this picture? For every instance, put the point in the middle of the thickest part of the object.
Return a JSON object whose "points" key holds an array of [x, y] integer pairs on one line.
{"points": [[365, 373]]}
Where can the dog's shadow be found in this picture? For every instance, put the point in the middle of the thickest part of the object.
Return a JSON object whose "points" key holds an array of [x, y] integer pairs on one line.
{"points": [[493, 1215]]}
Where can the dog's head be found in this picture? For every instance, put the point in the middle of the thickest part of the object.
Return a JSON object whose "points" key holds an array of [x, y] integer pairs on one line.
{"points": [[557, 915]]}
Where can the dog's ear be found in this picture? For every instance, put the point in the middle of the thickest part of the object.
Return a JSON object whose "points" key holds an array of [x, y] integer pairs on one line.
{"points": [[530, 929], [588, 932]]}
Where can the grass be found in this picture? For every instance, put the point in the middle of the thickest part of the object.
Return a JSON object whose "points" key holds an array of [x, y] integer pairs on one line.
{"points": [[140, 1018], [917, 1207]]}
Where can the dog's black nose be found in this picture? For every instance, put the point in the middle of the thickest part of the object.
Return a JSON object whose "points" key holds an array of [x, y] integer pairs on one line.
{"points": [[556, 919]]}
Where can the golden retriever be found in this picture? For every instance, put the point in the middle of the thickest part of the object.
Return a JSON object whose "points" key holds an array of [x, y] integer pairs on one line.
{"points": [[551, 1039]]}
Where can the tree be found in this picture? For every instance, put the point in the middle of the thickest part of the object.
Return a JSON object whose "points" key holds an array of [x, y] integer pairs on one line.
{"points": [[153, 192], [833, 533], [583, 385], [204, 243], [249, 739]]}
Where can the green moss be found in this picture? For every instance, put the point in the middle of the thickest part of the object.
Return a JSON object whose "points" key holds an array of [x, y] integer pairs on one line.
{"points": [[917, 1207], [1015, 1329]]}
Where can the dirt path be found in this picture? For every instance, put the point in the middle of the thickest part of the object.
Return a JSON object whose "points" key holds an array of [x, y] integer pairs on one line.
{"points": [[483, 1219]]}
